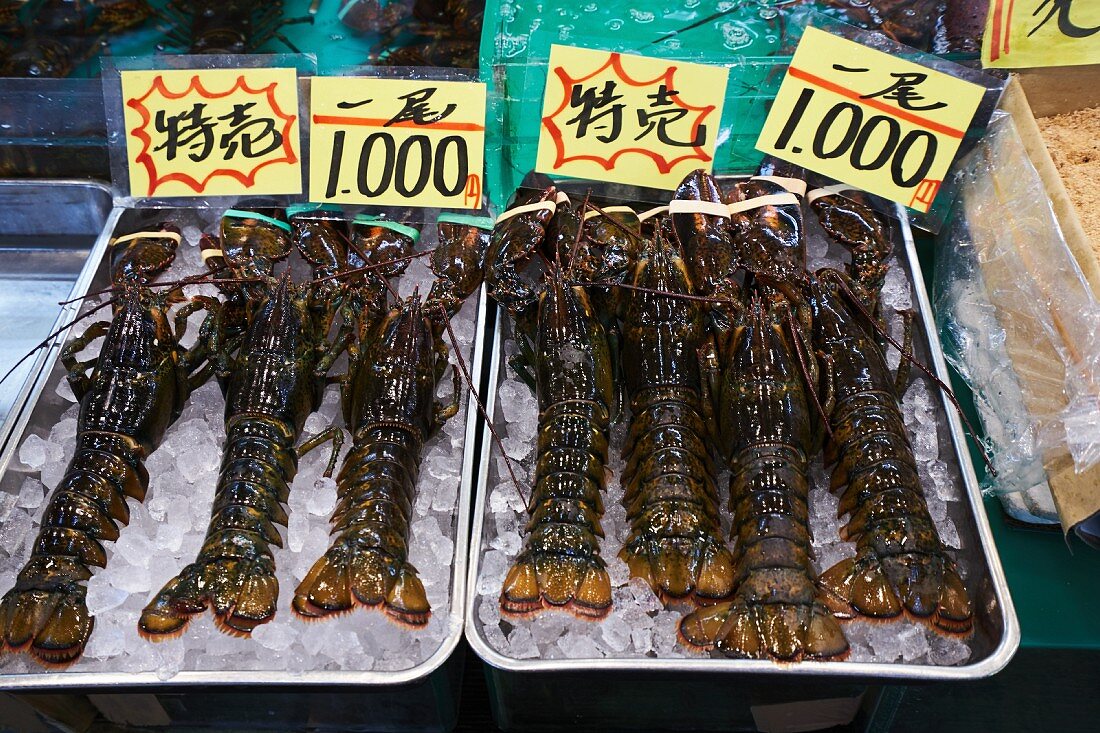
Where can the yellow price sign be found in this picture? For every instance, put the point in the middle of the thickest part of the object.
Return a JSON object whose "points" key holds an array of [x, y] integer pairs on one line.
{"points": [[1026, 33], [212, 132], [397, 142], [622, 118], [868, 119]]}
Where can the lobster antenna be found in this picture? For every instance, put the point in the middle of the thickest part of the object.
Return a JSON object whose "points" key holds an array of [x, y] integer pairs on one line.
{"points": [[481, 406], [200, 279], [799, 349], [580, 233], [366, 268], [49, 338], [838, 277], [652, 291]]}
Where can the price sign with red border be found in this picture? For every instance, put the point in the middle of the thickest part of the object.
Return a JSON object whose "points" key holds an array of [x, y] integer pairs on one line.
{"points": [[869, 119], [212, 132]]}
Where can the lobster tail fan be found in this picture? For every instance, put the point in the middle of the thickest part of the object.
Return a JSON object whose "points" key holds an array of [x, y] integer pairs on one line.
{"points": [[243, 595], [579, 585], [406, 601], [859, 588], [783, 632], [342, 578], [679, 568], [53, 623], [925, 587], [954, 614]]}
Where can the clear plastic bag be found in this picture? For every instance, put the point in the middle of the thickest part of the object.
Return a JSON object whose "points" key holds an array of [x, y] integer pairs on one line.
{"points": [[1018, 318]]}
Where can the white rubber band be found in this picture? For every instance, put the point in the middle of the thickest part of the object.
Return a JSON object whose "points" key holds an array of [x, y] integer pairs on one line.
{"points": [[208, 253], [550, 206], [592, 213], [147, 235], [795, 185], [775, 199], [658, 211], [828, 191], [691, 206]]}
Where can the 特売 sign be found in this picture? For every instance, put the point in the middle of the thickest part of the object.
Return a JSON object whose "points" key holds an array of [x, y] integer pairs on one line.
{"points": [[212, 132], [622, 118]]}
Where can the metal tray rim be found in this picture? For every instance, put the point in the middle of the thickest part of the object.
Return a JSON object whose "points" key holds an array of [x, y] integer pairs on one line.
{"points": [[996, 661], [225, 678], [16, 420]]}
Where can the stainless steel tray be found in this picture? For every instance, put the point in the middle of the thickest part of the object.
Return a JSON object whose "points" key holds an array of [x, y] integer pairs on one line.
{"points": [[47, 230], [43, 411], [997, 632]]}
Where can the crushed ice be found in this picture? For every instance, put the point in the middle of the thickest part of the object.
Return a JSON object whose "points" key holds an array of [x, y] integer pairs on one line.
{"points": [[638, 625], [167, 530]]}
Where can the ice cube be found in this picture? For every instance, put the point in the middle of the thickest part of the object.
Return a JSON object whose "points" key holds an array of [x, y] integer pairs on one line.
{"points": [[275, 636], [493, 566], [7, 503], [134, 580], [32, 453], [107, 641], [509, 543], [521, 645], [102, 597], [14, 532], [64, 391], [616, 633], [641, 638], [579, 645], [914, 642], [169, 538], [947, 651], [949, 534], [322, 499], [31, 493], [135, 549]]}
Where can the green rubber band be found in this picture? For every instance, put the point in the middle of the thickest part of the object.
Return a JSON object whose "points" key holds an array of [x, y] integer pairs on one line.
{"points": [[294, 209], [372, 220], [481, 222], [238, 214]]}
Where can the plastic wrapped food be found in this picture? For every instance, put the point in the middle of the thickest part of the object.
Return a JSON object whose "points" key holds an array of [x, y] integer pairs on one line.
{"points": [[1024, 328]]}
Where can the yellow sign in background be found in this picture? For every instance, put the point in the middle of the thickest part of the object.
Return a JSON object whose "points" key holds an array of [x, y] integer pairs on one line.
{"points": [[628, 119], [1027, 33], [397, 142], [868, 119], [212, 132]]}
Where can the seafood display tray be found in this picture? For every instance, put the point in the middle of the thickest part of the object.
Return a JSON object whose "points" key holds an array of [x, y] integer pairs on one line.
{"points": [[525, 689], [43, 260], [423, 696]]}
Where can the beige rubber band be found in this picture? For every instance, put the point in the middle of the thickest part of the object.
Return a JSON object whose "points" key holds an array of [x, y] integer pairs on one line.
{"points": [[775, 199], [691, 206], [795, 185], [550, 206], [828, 191], [147, 235], [208, 253], [562, 198], [592, 213], [652, 213]]}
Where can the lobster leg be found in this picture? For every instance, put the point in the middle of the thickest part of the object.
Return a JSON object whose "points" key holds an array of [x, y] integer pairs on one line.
{"points": [[901, 379], [78, 370], [334, 434]]}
